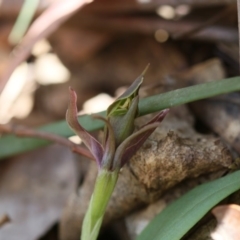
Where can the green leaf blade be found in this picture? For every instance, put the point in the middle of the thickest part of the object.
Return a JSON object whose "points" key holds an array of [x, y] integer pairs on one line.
{"points": [[188, 94], [180, 216], [11, 145]]}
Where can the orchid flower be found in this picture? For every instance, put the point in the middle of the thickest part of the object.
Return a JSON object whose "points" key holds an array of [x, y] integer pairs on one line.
{"points": [[120, 143]]}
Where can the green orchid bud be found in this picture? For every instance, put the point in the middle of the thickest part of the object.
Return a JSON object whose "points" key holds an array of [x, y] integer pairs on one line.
{"points": [[122, 113], [122, 104]]}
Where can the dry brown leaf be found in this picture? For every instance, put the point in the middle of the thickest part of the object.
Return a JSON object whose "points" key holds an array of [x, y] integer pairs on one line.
{"points": [[33, 191], [228, 217]]}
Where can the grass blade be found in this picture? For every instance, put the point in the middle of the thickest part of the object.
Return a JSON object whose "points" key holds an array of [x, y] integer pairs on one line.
{"points": [[188, 94], [10, 145], [180, 216], [23, 20]]}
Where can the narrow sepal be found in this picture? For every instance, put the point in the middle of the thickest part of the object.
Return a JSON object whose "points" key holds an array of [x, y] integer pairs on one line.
{"points": [[71, 116], [130, 146], [158, 118], [109, 147]]}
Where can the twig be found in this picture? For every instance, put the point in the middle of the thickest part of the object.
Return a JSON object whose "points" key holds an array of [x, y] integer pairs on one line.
{"points": [[148, 26], [11, 8], [205, 24], [21, 131], [126, 6]]}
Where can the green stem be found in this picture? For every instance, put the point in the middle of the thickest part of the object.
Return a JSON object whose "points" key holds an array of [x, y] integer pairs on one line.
{"points": [[104, 186], [23, 20]]}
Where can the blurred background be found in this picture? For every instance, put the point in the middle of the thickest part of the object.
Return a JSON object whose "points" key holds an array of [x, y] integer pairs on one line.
{"points": [[104, 46], [98, 48]]}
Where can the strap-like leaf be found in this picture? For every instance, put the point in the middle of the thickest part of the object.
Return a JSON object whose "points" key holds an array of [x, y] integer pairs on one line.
{"points": [[180, 216], [71, 116], [11, 145]]}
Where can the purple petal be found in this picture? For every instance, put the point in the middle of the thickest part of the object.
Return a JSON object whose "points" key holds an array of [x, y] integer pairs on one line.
{"points": [[109, 146], [158, 118], [71, 116], [129, 147]]}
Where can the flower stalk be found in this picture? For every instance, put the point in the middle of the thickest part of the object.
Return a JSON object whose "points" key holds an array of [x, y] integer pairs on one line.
{"points": [[120, 143], [104, 186]]}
